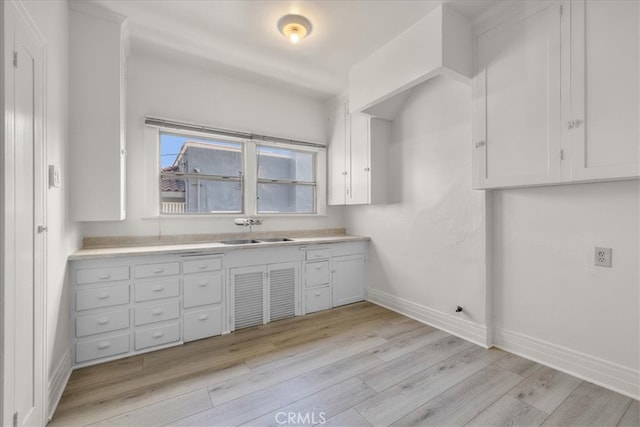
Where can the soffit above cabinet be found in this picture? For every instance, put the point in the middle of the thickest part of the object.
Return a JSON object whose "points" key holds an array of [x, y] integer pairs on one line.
{"points": [[438, 44]]}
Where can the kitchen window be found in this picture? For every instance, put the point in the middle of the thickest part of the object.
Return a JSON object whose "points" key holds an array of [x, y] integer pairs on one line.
{"points": [[224, 172]]}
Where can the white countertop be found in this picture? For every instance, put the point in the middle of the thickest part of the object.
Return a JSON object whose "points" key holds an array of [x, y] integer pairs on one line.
{"points": [[113, 252]]}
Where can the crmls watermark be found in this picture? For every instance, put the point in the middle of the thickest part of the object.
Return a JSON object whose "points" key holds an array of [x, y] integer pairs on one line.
{"points": [[298, 418]]}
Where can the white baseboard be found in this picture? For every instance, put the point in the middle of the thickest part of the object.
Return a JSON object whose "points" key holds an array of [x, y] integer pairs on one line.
{"points": [[465, 329], [58, 382], [598, 371]]}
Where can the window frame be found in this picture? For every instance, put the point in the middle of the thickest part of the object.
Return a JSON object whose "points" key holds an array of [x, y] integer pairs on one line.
{"points": [[313, 184], [249, 179], [204, 177]]}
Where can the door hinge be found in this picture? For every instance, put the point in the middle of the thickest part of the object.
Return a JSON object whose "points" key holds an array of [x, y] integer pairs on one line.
{"points": [[561, 154], [15, 420], [561, 7], [15, 59]]}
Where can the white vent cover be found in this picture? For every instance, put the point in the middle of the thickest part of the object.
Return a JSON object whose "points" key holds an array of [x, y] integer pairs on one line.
{"points": [[282, 293], [249, 302]]}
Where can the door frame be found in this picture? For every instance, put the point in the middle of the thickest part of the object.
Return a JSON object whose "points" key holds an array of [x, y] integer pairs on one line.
{"points": [[10, 12]]}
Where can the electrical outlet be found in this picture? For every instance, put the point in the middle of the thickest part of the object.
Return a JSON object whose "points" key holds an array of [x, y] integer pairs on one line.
{"points": [[603, 257]]}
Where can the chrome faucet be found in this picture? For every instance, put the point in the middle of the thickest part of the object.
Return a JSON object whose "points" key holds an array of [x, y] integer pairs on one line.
{"points": [[248, 222]]}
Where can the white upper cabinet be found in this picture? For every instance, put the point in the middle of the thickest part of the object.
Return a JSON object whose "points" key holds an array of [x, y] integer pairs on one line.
{"points": [[97, 110], [556, 94], [358, 158], [517, 89], [603, 109]]}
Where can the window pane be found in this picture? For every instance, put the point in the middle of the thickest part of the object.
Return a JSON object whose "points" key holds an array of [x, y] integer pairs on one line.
{"points": [[286, 198], [188, 154], [199, 196], [281, 164]]}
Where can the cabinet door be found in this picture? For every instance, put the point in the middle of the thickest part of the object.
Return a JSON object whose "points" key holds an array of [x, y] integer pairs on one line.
{"points": [[518, 92], [282, 290], [358, 180], [247, 290], [605, 90], [337, 156], [348, 279]]}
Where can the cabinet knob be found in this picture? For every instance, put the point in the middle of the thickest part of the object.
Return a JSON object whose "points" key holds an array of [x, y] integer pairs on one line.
{"points": [[158, 289], [103, 321], [159, 270], [572, 124], [157, 312], [104, 277], [203, 317], [367, 169], [480, 144], [344, 173], [157, 335], [202, 266], [103, 296], [203, 284], [104, 345]]}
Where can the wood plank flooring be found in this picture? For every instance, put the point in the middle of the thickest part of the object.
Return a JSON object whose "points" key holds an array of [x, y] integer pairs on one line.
{"points": [[358, 365]]}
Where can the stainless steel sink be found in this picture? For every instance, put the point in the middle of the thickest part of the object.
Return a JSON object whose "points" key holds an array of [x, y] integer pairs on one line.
{"points": [[276, 239], [239, 242]]}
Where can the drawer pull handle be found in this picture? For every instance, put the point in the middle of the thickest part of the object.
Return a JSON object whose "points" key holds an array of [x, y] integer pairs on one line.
{"points": [[203, 317], [158, 289], [157, 335], [104, 345], [318, 268], [103, 321], [318, 294], [159, 270], [203, 266], [157, 312], [104, 277], [103, 296], [203, 284]]}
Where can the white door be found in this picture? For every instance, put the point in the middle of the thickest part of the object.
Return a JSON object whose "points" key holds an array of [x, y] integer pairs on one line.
{"points": [[359, 158], [605, 90], [337, 156], [248, 297], [348, 279], [518, 90], [24, 383]]}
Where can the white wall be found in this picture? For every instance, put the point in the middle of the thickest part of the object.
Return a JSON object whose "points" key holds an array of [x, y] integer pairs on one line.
{"points": [[63, 237], [546, 286], [428, 244], [177, 90]]}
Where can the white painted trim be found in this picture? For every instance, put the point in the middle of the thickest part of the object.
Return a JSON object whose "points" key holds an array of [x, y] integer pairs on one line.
{"points": [[57, 383], [598, 371], [470, 331]]}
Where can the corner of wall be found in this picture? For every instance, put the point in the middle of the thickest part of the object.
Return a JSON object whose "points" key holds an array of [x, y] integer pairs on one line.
{"points": [[470, 331]]}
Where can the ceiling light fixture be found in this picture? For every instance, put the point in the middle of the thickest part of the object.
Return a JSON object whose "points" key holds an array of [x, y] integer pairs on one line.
{"points": [[294, 27]]}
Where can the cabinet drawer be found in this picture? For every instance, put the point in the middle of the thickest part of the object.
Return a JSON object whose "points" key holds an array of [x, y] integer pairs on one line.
{"points": [[157, 313], [202, 290], [157, 270], [157, 289], [202, 265], [316, 254], [157, 336], [105, 274], [317, 273], [101, 297], [318, 299], [102, 322], [202, 324], [96, 349]]}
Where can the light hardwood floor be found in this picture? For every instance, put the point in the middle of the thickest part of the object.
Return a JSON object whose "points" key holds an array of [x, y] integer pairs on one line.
{"points": [[358, 365]]}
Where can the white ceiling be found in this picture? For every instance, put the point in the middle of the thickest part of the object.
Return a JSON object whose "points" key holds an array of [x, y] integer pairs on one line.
{"points": [[240, 36]]}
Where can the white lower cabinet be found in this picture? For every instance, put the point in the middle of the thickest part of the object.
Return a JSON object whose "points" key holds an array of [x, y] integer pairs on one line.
{"points": [[263, 293], [203, 298], [125, 306], [348, 279]]}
